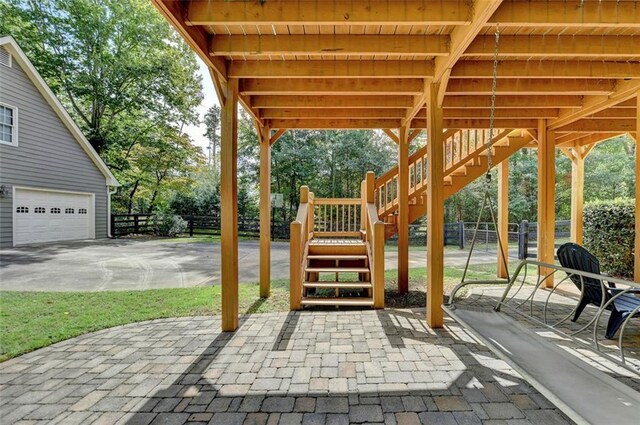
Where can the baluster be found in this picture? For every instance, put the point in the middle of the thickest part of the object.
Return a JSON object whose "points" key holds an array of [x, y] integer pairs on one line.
{"points": [[324, 220]]}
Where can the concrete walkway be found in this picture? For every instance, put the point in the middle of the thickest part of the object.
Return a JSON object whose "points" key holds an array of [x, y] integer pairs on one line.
{"points": [[125, 264], [345, 367]]}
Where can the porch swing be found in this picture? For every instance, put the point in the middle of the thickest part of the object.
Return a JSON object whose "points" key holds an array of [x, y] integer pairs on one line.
{"points": [[487, 203]]}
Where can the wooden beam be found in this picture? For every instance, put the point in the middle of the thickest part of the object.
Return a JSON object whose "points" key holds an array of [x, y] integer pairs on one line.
{"points": [[503, 218], [397, 113], [418, 103], [523, 123], [636, 274], [501, 113], [518, 102], [325, 86], [614, 113], [331, 102], [278, 134], [577, 194], [334, 45], [331, 124], [373, 123], [218, 85], [562, 46], [393, 136], [547, 69], [195, 37], [582, 139], [403, 210], [229, 207], [589, 125], [414, 133], [461, 38], [624, 91], [288, 113], [331, 69], [329, 12], [546, 199], [531, 86], [435, 211], [559, 13], [265, 211]]}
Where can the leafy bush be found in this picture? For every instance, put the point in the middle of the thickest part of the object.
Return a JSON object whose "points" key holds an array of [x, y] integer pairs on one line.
{"points": [[166, 223], [609, 232]]}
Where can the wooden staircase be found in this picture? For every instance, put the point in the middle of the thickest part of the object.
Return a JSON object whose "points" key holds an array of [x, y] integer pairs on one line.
{"points": [[337, 245], [337, 251], [337, 273], [465, 160]]}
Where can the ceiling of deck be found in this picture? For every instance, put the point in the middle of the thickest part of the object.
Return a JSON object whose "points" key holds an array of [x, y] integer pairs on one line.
{"points": [[366, 63]]}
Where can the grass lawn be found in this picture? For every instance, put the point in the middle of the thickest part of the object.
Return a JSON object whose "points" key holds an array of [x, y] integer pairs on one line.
{"points": [[31, 320]]}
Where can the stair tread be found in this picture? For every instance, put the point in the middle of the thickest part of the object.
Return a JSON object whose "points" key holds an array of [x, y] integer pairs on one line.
{"points": [[337, 257], [324, 284], [337, 241], [338, 301], [337, 269]]}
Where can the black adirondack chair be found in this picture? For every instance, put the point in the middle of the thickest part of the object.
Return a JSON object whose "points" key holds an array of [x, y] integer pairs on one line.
{"points": [[573, 256]]}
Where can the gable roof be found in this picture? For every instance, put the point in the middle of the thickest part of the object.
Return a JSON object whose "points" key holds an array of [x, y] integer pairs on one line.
{"points": [[18, 55]]}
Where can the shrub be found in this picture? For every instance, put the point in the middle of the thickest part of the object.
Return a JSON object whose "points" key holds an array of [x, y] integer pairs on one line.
{"points": [[166, 223], [609, 232]]}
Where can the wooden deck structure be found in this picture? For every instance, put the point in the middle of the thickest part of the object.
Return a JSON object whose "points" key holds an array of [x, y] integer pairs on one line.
{"points": [[568, 78]]}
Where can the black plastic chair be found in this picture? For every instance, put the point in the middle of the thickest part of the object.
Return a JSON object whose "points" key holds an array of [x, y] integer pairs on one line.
{"points": [[573, 256]]}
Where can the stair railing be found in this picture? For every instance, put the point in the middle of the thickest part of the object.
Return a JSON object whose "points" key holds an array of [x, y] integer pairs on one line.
{"points": [[301, 231], [336, 217], [373, 229], [459, 147]]}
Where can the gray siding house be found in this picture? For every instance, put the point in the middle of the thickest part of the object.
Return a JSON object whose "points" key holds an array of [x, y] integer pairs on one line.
{"points": [[53, 185]]}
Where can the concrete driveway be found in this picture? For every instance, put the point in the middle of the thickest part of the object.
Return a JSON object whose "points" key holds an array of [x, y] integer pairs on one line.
{"points": [[125, 264]]}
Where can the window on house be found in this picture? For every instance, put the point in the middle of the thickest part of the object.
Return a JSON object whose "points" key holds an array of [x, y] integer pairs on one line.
{"points": [[8, 125], [22, 210], [68, 211], [82, 210], [55, 210], [40, 210]]}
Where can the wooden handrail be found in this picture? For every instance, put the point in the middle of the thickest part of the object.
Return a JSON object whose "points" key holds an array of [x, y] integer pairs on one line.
{"points": [[298, 241], [460, 147], [337, 201], [374, 237]]}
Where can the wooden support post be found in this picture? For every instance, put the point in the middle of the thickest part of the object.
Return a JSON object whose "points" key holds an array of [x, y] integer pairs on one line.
{"points": [[435, 209], [229, 207], [577, 195], [637, 248], [378, 264], [546, 198], [503, 217], [265, 212], [403, 210]]}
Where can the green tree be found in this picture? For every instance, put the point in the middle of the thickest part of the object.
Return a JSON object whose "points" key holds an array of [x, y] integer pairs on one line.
{"points": [[125, 76], [212, 122]]}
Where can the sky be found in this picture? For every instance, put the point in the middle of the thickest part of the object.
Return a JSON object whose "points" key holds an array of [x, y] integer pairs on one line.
{"points": [[210, 99]]}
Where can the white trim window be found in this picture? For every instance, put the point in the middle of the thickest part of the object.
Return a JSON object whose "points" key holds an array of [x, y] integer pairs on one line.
{"points": [[8, 125]]}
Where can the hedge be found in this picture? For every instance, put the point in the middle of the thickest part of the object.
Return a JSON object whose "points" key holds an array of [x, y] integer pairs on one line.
{"points": [[609, 234]]}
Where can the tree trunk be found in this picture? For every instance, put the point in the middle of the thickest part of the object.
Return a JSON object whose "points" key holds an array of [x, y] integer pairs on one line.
{"points": [[131, 195]]}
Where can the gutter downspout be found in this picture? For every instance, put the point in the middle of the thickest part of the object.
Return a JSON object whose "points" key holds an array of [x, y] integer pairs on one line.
{"points": [[110, 192]]}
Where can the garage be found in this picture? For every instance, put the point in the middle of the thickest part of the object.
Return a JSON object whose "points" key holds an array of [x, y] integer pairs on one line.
{"points": [[47, 216]]}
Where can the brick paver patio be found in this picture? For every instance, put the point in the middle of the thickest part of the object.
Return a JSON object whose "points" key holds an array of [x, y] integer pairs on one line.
{"points": [[288, 368]]}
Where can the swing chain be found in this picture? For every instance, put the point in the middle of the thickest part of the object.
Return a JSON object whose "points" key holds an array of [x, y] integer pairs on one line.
{"points": [[492, 116]]}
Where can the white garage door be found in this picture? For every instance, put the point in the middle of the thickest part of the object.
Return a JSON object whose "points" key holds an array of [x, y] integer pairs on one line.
{"points": [[46, 216]]}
